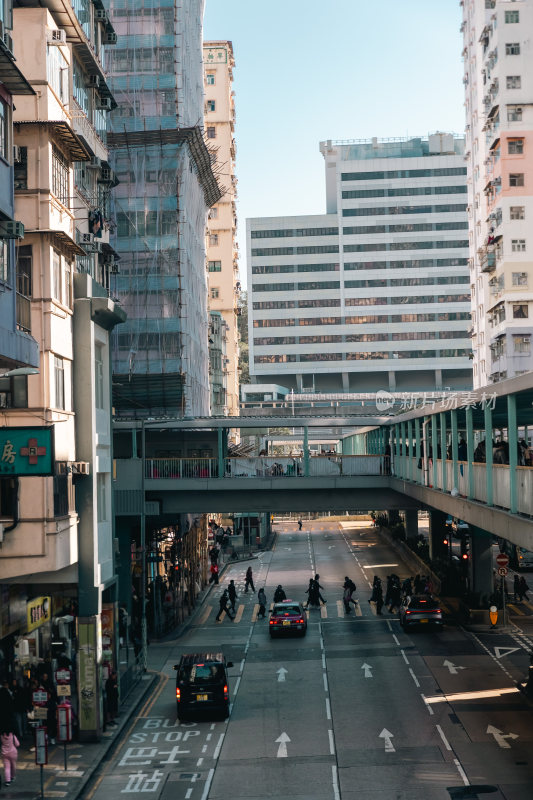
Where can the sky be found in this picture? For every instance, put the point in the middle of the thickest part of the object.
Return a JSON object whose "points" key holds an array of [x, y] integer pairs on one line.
{"points": [[310, 70]]}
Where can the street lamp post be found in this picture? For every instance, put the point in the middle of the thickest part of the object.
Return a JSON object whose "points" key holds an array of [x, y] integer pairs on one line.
{"points": [[144, 637]]}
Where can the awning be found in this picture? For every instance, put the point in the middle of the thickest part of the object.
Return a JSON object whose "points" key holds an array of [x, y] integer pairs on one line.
{"points": [[61, 239], [10, 74], [65, 135]]}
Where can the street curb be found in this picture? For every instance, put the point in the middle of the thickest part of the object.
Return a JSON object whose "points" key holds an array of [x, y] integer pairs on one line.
{"points": [[115, 741]]}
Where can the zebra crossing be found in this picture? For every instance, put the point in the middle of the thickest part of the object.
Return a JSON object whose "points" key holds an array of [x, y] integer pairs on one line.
{"points": [[248, 613]]}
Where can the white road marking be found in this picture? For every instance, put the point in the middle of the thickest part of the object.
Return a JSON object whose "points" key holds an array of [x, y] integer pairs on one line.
{"points": [[413, 676], [424, 698], [281, 674], [501, 652], [188, 793], [335, 778], [219, 746], [325, 681], [199, 762], [323, 661], [237, 683], [395, 638], [204, 748], [331, 743], [328, 709], [500, 737], [282, 749], [208, 737], [368, 670], [387, 737], [389, 625], [461, 772], [404, 656], [444, 739], [208, 784], [452, 667]]}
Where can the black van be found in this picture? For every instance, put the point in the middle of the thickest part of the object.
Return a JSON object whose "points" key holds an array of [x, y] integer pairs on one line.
{"points": [[202, 685]]}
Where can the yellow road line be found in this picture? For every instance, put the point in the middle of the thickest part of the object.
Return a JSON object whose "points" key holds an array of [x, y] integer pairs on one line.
{"points": [[323, 612], [340, 608], [525, 602], [357, 609], [238, 615], [205, 615], [220, 620], [516, 610], [373, 609], [254, 612]]}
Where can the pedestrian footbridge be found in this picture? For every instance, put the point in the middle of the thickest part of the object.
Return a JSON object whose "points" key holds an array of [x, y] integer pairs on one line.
{"points": [[430, 455]]}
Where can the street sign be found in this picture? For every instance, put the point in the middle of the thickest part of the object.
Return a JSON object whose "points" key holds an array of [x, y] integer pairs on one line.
{"points": [[40, 697], [40, 713], [41, 746], [64, 723], [63, 690], [502, 571], [63, 675], [502, 560]]}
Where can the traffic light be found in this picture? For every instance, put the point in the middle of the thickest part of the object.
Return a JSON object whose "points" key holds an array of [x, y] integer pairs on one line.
{"points": [[464, 548]]}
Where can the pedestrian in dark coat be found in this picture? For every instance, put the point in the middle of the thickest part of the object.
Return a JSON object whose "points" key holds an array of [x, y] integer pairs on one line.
{"points": [[261, 599], [395, 597], [318, 588], [379, 598], [516, 587], [279, 594], [249, 581], [111, 693], [232, 594], [223, 602], [523, 589]]}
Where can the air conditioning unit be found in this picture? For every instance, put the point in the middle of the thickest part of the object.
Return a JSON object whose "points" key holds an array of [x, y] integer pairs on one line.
{"points": [[8, 41], [103, 103], [86, 238], [17, 155], [56, 36], [93, 81], [100, 14], [94, 163], [9, 229], [110, 37], [106, 175]]}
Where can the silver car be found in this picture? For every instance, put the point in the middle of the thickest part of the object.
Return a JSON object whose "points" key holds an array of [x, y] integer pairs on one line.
{"points": [[421, 609]]}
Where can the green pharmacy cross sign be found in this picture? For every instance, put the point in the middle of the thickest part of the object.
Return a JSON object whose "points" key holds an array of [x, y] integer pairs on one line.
{"points": [[26, 451]]}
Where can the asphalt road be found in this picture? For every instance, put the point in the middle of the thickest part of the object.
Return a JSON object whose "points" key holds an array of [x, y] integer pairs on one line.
{"points": [[356, 710]]}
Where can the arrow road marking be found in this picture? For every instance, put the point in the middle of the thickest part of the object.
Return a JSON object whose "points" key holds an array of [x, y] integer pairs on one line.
{"points": [[282, 749], [501, 652], [453, 669], [501, 737], [387, 736], [281, 674], [368, 670]]}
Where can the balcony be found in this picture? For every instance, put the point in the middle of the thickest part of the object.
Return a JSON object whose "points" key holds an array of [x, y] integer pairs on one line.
{"points": [[487, 259]]}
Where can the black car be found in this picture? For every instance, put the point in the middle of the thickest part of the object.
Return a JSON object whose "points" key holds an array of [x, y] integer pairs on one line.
{"points": [[421, 610], [202, 686]]}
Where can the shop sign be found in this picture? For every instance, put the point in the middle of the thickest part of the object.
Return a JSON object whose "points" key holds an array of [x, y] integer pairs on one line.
{"points": [[38, 612], [26, 451]]}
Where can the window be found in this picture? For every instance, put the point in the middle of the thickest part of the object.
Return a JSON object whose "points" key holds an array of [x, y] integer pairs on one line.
{"points": [[512, 49], [213, 213], [210, 79], [101, 497], [520, 311], [214, 292], [20, 170], [522, 344], [60, 176], [57, 277], [4, 111], [512, 16], [213, 239], [24, 265], [517, 212], [58, 386], [215, 266], [518, 245], [14, 392], [515, 147], [211, 132], [516, 179], [519, 278], [291, 232], [99, 376], [4, 261], [513, 81], [514, 113], [211, 105]]}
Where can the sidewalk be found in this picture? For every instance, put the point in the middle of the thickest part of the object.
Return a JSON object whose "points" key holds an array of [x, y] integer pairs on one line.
{"points": [[83, 759]]}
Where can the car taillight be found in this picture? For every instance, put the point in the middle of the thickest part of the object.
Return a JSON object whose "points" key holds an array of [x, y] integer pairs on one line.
{"points": [[408, 612], [301, 620], [178, 694], [226, 694]]}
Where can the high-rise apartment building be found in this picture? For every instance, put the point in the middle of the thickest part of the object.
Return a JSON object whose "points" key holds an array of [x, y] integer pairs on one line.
{"points": [[498, 78], [222, 254], [161, 363], [375, 293]]}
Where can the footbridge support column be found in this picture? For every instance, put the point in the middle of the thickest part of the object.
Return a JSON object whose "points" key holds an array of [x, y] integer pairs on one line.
{"points": [[482, 576], [411, 522]]}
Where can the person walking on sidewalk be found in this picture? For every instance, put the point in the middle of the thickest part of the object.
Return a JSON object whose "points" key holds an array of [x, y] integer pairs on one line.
{"points": [[232, 594], [300, 524], [261, 599], [249, 581], [111, 693], [9, 744], [516, 587], [223, 602]]}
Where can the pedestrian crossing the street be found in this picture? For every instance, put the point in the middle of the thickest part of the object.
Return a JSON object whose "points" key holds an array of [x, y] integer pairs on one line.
{"points": [[248, 613]]}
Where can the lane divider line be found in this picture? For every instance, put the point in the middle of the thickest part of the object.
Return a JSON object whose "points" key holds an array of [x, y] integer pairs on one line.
{"points": [[443, 737]]}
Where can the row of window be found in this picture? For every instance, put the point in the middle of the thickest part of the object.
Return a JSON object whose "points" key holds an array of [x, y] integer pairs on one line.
{"points": [[390, 210], [404, 191], [380, 301], [407, 227], [429, 245], [379, 282], [438, 172], [298, 251], [291, 287], [291, 232], [278, 269], [361, 356], [361, 337], [147, 223], [448, 316]]}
